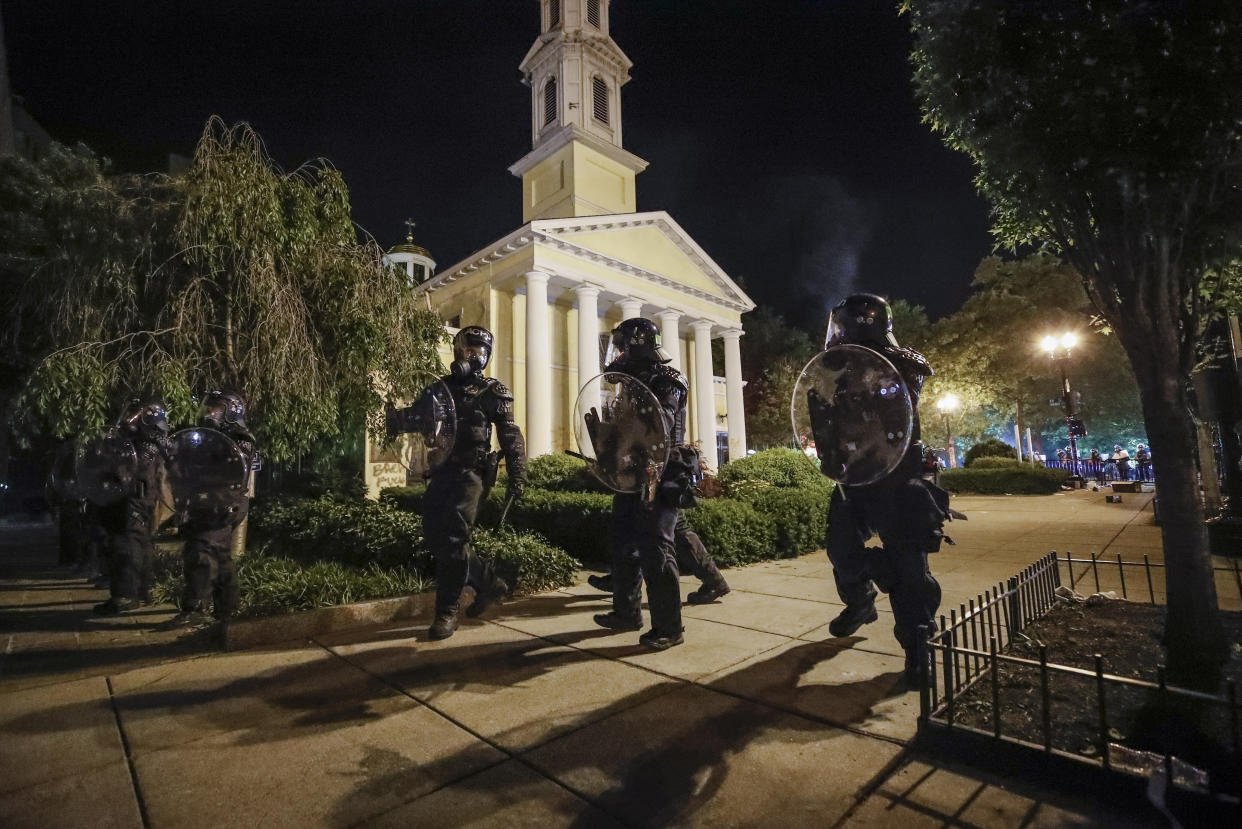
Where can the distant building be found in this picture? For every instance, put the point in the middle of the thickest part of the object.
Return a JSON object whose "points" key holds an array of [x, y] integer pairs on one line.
{"points": [[553, 289]]}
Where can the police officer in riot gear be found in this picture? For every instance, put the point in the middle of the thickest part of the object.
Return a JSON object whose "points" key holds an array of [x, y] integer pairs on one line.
{"points": [[456, 487], [211, 586], [130, 522], [692, 558], [906, 511], [643, 547]]}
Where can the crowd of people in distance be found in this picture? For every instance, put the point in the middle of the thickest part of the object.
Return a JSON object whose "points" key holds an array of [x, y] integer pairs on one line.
{"points": [[1118, 465]]}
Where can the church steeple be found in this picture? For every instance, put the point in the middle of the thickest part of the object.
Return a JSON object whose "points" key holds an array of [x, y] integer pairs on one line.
{"points": [[575, 72]]}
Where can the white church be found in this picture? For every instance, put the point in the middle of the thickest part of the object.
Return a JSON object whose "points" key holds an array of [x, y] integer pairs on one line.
{"points": [[553, 289]]}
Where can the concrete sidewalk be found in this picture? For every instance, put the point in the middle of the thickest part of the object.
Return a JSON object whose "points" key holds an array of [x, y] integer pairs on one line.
{"points": [[533, 717]]}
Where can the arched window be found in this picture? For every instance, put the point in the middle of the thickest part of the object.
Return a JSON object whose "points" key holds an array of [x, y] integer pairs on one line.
{"points": [[599, 99], [554, 13], [593, 12], [549, 101]]}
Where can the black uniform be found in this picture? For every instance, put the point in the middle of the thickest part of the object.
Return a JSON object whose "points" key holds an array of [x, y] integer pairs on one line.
{"points": [[207, 557], [130, 523], [456, 487], [643, 533], [908, 514]]}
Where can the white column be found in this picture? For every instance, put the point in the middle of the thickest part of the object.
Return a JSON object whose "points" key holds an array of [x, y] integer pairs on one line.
{"points": [[669, 336], [704, 393], [733, 393], [631, 308], [588, 343], [538, 367]]}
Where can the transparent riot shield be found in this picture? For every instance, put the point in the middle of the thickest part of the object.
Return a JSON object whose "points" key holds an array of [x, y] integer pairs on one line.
{"points": [[208, 476], [431, 426], [852, 405], [621, 431], [104, 468]]}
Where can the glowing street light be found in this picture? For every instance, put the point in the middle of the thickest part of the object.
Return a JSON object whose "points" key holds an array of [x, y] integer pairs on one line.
{"points": [[1059, 348], [947, 404]]}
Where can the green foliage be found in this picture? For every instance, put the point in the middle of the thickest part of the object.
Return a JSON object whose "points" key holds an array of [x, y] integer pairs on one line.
{"points": [[525, 559], [233, 273], [577, 522], [798, 515], [1019, 479], [734, 532], [990, 448], [773, 354], [560, 472], [352, 532], [991, 462], [779, 467], [272, 585]]}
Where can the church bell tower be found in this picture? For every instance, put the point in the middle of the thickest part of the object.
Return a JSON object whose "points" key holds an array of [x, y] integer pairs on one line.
{"points": [[575, 72]]}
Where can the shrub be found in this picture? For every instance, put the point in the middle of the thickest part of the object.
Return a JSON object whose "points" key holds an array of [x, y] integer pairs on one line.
{"points": [[733, 531], [990, 448], [989, 462], [1015, 480], [404, 498], [561, 473], [779, 467], [799, 517], [272, 585], [352, 532], [577, 522], [525, 560]]}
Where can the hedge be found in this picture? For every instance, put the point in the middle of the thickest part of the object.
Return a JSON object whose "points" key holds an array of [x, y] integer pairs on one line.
{"points": [[733, 531], [990, 448], [990, 462], [1014, 480], [799, 517], [778, 467], [315, 552]]}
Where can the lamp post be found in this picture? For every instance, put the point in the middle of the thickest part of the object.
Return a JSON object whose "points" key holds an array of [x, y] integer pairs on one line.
{"points": [[1059, 349], [947, 404]]}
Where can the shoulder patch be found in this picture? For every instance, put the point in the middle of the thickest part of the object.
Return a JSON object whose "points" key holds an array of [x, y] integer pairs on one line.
{"points": [[670, 375], [499, 389], [915, 360]]}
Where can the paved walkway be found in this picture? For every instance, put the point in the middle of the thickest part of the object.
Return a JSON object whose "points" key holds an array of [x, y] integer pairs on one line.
{"points": [[533, 717]]}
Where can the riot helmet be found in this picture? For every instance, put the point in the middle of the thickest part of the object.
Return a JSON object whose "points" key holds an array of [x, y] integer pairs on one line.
{"points": [[861, 319], [221, 407], [472, 349], [636, 340], [144, 417]]}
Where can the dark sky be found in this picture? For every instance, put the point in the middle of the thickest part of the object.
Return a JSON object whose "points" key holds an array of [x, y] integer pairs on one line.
{"points": [[781, 134]]}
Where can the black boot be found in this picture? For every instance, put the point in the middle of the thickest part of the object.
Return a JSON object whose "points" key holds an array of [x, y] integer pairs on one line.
{"points": [[615, 621], [444, 625], [494, 593], [116, 606], [656, 641], [708, 593], [189, 619], [602, 583], [852, 618]]}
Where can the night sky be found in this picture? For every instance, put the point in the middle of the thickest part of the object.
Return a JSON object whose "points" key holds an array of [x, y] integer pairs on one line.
{"points": [[781, 134]]}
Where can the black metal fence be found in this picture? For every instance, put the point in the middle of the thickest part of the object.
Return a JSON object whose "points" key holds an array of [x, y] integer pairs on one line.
{"points": [[1106, 471], [970, 643]]}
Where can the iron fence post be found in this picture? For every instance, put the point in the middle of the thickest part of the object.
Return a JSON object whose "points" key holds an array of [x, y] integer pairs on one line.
{"points": [[924, 690], [1121, 573], [995, 671], [1103, 708], [1151, 591], [1015, 608], [1047, 698]]}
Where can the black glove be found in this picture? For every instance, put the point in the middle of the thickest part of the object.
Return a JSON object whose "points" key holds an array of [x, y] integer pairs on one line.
{"points": [[516, 488]]}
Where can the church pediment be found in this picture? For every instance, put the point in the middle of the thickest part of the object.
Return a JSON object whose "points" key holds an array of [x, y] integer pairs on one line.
{"points": [[650, 246]]}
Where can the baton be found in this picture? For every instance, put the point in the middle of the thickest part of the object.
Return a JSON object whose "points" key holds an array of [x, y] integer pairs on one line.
{"points": [[510, 497], [579, 456]]}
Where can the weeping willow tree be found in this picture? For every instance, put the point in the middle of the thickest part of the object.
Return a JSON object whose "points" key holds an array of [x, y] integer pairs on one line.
{"points": [[233, 273]]}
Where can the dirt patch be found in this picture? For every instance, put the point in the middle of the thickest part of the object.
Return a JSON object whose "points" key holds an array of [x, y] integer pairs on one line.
{"points": [[1128, 636]]}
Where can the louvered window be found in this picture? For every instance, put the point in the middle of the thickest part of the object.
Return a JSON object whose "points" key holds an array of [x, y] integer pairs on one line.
{"points": [[554, 13], [549, 101], [599, 96], [593, 12]]}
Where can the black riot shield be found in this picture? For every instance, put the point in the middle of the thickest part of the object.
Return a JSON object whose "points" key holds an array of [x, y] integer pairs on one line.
{"points": [[621, 431], [853, 405], [104, 468], [430, 423], [209, 476]]}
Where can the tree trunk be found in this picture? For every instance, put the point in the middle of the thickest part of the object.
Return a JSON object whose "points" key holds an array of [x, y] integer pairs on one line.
{"points": [[1209, 475], [1193, 637]]}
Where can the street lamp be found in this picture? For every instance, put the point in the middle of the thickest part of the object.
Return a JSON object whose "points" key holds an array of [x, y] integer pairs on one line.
{"points": [[947, 404], [1059, 349]]}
